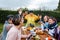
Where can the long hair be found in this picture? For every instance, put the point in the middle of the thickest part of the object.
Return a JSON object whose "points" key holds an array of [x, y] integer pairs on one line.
{"points": [[54, 19]]}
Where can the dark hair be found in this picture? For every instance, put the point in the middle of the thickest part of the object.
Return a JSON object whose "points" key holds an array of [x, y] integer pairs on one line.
{"points": [[25, 11], [47, 17], [31, 12], [16, 20], [9, 17], [31, 25], [54, 19]]}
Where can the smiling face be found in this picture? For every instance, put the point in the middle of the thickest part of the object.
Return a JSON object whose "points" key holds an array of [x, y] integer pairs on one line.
{"points": [[50, 21], [45, 18]]}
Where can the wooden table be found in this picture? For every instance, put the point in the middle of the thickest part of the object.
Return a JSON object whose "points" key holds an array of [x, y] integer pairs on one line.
{"points": [[42, 36]]}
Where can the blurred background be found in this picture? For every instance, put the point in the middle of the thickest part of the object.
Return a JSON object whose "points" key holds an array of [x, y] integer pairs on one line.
{"points": [[43, 7]]}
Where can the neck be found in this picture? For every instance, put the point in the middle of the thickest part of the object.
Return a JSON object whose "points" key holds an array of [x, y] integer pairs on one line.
{"points": [[18, 27]]}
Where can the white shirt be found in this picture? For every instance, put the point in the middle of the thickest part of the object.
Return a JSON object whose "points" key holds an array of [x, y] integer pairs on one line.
{"points": [[14, 34]]}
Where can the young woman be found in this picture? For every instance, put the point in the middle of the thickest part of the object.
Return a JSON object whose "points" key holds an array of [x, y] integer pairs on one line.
{"points": [[44, 25], [7, 25], [52, 25], [15, 32]]}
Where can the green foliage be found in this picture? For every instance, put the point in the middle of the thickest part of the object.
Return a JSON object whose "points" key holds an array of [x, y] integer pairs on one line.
{"points": [[49, 13], [1, 27], [4, 13], [58, 5]]}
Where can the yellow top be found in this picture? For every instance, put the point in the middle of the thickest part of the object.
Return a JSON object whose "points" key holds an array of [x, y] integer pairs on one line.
{"points": [[31, 18]]}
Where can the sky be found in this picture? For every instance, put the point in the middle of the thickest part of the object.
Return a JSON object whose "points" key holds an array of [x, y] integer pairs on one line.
{"points": [[30, 4]]}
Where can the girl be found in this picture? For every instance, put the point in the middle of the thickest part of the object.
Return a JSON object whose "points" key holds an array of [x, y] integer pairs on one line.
{"points": [[52, 25], [15, 32], [44, 25]]}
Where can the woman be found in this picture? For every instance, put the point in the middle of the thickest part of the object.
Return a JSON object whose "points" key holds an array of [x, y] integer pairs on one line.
{"points": [[52, 25], [44, 25], [15, 32]]}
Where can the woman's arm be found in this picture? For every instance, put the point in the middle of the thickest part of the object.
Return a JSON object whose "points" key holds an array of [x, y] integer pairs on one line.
{"points": [[25, 36]]}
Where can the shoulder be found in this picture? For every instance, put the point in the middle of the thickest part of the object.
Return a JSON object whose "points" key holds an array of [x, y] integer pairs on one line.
{"points": [[46, 23], [12, 30], [8, 25], [5, 25]]}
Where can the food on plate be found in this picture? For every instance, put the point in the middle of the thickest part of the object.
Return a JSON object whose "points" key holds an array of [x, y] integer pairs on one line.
{"points": [[29, 28], [39, 31]]}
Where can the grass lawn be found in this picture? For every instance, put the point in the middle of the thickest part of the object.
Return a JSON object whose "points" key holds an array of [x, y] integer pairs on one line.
{"points": [[59, 23], [1, 26]]}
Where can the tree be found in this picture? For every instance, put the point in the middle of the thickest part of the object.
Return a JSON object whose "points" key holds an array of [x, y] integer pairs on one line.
{"points": [[58, 5]]}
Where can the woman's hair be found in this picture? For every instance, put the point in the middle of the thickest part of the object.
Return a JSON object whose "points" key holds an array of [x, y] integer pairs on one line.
{"points": [[54, 19], [47, 17], [9, 17], [31, 12], [16, 20]]}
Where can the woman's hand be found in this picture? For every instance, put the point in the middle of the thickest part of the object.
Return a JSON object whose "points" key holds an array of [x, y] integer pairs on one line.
{"points": [[41, 22], [21, 24], [46, 30]]}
